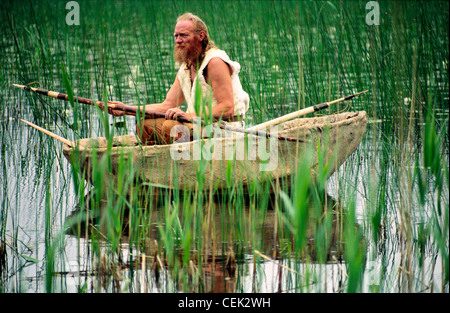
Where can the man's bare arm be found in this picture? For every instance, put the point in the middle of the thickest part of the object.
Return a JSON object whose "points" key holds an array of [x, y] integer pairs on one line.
{"points": [[219, 76], [174, 99]]}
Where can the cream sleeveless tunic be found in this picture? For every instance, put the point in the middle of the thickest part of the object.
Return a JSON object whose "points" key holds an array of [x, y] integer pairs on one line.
{"points": [[241, 98]]}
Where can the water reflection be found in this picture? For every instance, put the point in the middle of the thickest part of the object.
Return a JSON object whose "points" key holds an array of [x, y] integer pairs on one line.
{"points": [[225, 250]]}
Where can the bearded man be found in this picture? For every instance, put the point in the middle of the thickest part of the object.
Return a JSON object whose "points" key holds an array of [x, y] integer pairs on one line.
{"points": [[202, 65]]}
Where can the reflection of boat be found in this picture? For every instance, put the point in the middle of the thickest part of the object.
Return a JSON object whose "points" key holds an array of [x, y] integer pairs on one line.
{"points": [[235, 159], [222, 249]]}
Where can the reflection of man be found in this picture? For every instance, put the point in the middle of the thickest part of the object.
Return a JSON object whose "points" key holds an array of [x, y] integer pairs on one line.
{"points": [[217, 77]]}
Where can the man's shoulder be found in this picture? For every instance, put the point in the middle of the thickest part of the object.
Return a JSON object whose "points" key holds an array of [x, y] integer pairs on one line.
{"points": [[217, 66], [216, 61]]}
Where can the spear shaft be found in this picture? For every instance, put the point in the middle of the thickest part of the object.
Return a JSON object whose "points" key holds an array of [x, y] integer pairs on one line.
{"points": [[62, 139], [303, 112], [132, 110], [129, 110]]}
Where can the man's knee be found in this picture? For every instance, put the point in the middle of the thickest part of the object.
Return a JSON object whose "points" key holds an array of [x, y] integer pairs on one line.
{"points": [[175, 131], [150, 130], [162, 131]]}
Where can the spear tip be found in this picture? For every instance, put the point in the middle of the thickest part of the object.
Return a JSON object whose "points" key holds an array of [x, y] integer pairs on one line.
{"points": [[355, 95]]}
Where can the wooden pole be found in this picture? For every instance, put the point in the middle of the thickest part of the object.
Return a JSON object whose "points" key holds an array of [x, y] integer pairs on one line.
{"points": [[62, 139], [132, 110], [302, 112], [129, 110]]}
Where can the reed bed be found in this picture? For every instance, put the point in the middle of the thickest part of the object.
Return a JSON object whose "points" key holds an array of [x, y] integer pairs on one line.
{"points": [[379, 224]]}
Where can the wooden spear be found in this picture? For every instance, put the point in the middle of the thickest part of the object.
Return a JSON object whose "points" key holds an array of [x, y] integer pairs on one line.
{"points": [[132, 110], [302, 112], [62, 139], [129, 110]]}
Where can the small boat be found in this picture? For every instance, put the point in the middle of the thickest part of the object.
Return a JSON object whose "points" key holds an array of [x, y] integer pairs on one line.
{"points": [[225, 159]]}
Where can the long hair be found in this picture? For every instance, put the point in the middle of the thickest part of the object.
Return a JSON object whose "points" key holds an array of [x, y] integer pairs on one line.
{"points": [[199, 26]]}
